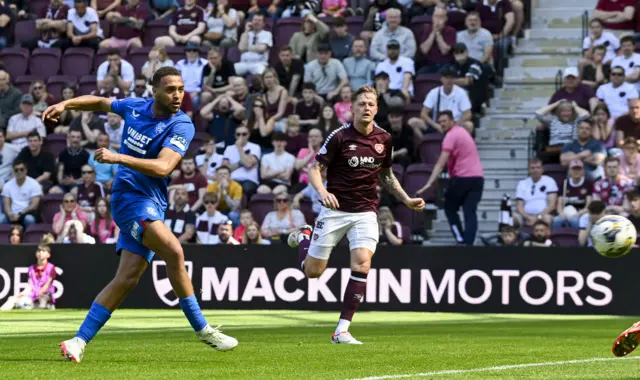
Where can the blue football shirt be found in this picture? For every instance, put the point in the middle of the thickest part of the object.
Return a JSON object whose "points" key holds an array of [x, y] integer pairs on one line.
{"points": [[144, 136]]}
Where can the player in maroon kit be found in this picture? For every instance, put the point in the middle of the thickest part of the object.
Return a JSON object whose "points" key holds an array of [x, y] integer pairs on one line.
{"points": [[355, 156]]}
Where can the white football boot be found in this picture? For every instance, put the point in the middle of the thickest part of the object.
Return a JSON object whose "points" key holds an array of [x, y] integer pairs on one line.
{"points": [[216, 339], [293, 237], [344, 337], [73, 349]]}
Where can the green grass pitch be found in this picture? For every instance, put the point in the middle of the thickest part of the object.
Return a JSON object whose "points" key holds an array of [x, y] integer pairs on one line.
{"points": [[158, 344]]}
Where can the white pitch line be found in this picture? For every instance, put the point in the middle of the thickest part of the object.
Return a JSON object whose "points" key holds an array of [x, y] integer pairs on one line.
{"points": [[496, 368]]}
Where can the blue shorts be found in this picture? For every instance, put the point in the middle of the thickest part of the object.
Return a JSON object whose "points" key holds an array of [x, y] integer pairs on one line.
{"points": [[131, 215]]}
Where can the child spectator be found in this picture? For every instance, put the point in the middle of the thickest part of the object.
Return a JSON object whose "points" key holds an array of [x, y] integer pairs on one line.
{"points": [[390, 230], [295, 140], [596, 210], [252, 235], [207, 223], [333, 8], [343, 107], [308, 108], [328, 120], [40, 291], [603, 128], [103, 228], [245, 219], [307, 156], [276, 167], [16, 234]]}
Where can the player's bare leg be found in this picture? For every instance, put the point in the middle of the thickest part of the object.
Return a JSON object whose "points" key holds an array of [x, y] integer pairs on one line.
{"points": [[353, 295], [627, 341]]}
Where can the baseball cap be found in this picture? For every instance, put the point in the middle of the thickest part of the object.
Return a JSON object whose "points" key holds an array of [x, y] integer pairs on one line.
{"points": [[449, 71], [576, 164], [570, 72], [382, 74], [324, 47], [459, 47], [192, 46], [393, 44], [27, 98]]}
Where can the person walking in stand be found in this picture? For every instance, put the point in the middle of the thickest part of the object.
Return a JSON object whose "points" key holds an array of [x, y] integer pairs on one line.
{"points": [[460, 154]]}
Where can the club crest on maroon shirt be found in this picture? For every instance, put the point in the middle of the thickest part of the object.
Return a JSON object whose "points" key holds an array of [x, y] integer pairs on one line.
{"points": [[379, 148]]}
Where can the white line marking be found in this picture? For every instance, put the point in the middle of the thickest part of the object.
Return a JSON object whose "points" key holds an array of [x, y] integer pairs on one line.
{"points": [[496, 368]]}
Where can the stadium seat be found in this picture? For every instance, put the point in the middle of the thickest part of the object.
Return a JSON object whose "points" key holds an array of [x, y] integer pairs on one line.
{"points": [[49, 206], [197, 142], [25, 30], [56, 83], [77, 61], [306, 206], [398, 171], [34, 232], [564, 236], [429, 148], [16, 60], [137, 57], [106, 28], [423, 84], [154, 29], [45, 62], [5, 229], [406, 234], [55, 143], [176, 53], [87, 84], [415, 177], [101, 56], [418, 24], [557, 172], [354, 25], [35, 6], [23, 82], [456, 19], [260, 205], [201, 124], [284, 30], [233, 54], [413, 110]]}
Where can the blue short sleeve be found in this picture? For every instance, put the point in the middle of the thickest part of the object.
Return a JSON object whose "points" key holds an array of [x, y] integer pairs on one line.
{"points": [[119, 106], [597, 147], [568, 147], [180, 137]]}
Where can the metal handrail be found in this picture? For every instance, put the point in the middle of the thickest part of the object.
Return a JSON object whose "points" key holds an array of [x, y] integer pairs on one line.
{"points": [[558, 80], [585, 26]]}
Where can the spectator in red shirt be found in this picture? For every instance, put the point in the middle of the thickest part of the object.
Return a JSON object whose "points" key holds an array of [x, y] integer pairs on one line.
{"points": [[51, 26], [127, 22], [188, 25], [246, 218], [612, 188], [69, 210], [572, 90], [436, 44], [498, 17], [191, 180], [616, 14]]}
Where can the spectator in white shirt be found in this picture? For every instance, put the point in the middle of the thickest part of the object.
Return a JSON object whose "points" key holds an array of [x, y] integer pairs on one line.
{"points": [[401, 69], [157, 58], [20, 197], [447, 97], [191, 70], [207, 223], [8, 153], [225, 234], [283, 220], [83, 27], [21, 124], [629, 60], [276, 167], [254, 44], [243, 158], [393, 31], [115, 65], [209, 161], [536, 196], [598, 37], [615, 94]]}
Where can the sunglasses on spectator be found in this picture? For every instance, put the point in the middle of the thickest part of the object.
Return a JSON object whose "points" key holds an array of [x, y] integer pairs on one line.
{"points": [[38, 87], [240, 134], [69, 201], [282, 200], [209, 202], [617, 74], [87, 171]]}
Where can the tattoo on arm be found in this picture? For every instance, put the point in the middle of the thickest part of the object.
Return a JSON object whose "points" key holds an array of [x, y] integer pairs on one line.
{"points": [[320, 166], [391, 183]]}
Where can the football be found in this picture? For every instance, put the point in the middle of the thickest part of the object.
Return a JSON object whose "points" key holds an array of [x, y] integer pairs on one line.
{"points": [[613, 236]]}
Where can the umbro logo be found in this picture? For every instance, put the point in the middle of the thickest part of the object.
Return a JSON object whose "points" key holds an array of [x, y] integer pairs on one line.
{"points": [[352, 147], [134, 114]]}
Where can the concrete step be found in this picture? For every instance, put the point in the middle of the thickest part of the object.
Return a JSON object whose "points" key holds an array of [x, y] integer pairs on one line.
{"points": [[507, 185], [550, 43], [526, 105], [556, 50], [491, 123], [496, 163], [559, 22], [502, 134], [491, 153], [532, 91], [484, 226], [543, 61], [559, 11], [571, 33]]}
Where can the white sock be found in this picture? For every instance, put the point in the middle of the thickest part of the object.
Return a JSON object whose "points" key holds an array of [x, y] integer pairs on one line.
{"points": [[343, 325]]}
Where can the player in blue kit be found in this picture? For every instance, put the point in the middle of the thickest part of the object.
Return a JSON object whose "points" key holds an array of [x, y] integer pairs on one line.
{"points": [[156, 136]]}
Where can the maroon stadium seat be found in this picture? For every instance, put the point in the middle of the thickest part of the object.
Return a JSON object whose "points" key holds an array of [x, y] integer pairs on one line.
{"points": [[197, 142], [45, 62], [106, 28], [406, 234], [398, 171], [418, 24], [284, 30], [557, 172], [415, 177], [565, 236], [200, 123], [77, 61], [56, 83], [35, 6], [34, 232], [154, 29], [49, 206], [354, 25], [137, 58], [55, 143], [306, 206], [176, 53], [423, 84], [16, 60], [87, 84], [25, 30], [456, 19], [4, 233], [23, 82], [233, 54], [260, 205], [429, 148], [101, 56], [413, 110]]}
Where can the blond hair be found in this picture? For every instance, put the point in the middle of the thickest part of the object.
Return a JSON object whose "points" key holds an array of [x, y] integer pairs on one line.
{"points": [[366, 89]]}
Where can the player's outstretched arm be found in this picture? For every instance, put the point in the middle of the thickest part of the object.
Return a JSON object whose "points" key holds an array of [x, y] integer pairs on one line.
{"points": [[155, 167], [391, 183], [81, 103]]}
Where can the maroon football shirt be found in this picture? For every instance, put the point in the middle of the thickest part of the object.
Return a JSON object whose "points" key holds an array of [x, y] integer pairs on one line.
{"points": [[353, 163], [186, 20]]}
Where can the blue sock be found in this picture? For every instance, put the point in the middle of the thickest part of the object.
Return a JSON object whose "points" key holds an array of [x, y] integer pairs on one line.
{"points": [[192, 311], [97, 317]]}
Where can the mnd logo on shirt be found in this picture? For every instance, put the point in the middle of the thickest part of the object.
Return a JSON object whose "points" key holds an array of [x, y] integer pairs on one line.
{"points": [[136, 141]]}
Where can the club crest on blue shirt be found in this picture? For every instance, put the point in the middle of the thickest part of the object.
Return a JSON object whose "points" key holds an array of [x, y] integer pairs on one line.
{"points": [[159, 128], [151, 211]]}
